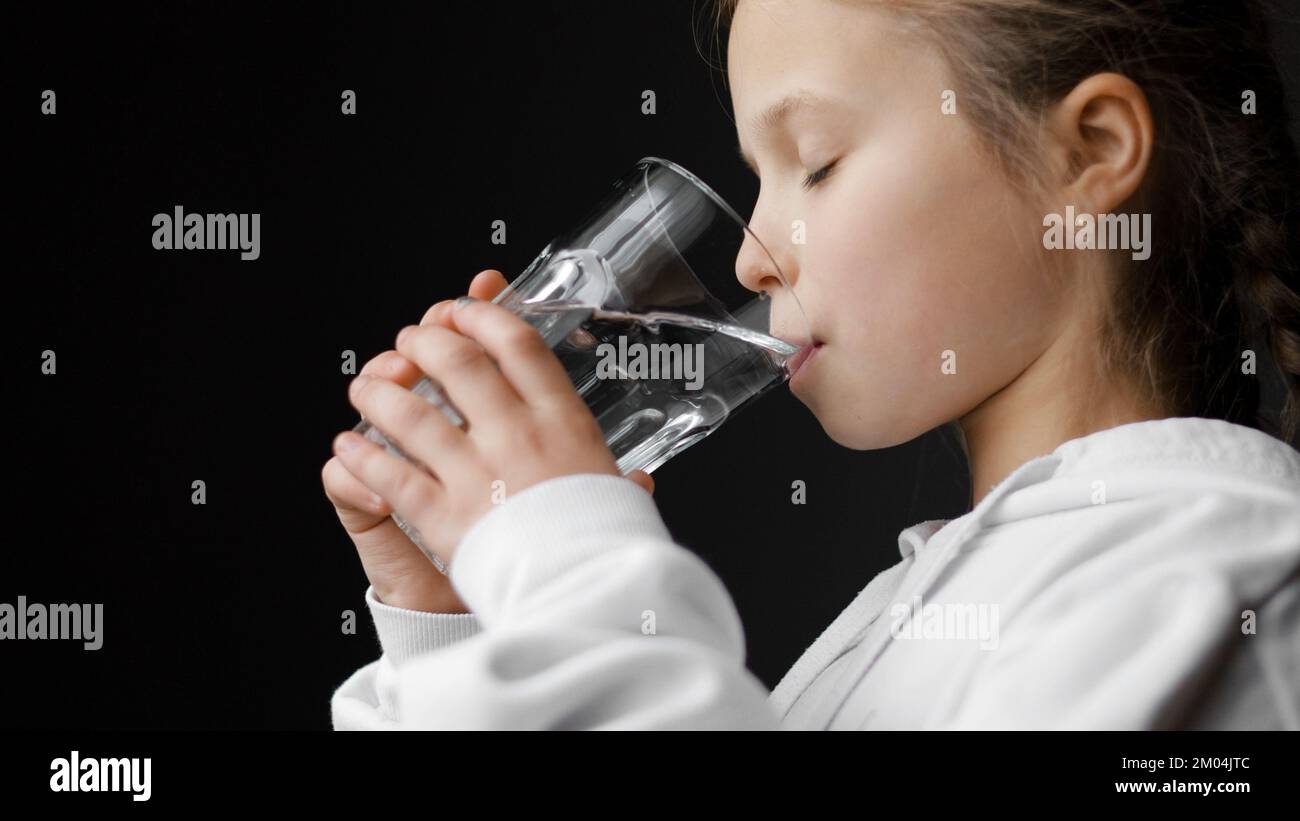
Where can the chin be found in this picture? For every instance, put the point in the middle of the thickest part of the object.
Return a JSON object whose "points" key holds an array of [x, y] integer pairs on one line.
{"points": [[867, 431], [869, 440]]}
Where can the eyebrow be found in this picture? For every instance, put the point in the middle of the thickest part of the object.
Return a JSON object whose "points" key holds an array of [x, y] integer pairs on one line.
{"points": [[777, 113]]}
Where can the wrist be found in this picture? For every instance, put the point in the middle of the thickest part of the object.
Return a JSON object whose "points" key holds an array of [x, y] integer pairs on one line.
{"points": [[431, 599]]}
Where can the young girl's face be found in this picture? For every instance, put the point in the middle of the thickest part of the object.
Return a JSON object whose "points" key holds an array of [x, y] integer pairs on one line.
{"points": [[916, 250]]}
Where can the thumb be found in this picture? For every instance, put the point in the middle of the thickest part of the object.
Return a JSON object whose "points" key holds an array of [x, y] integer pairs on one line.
{"points": [[640, 477], [487, 283]]}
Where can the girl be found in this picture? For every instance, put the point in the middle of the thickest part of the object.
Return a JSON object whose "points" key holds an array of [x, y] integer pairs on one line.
{"points": [[1131, 556]]}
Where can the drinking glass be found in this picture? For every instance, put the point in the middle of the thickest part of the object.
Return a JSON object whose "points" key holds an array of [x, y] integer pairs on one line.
{"points": [[642, 305]]}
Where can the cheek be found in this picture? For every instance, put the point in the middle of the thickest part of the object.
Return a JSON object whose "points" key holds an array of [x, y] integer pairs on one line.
{"points": [[927, 249]]}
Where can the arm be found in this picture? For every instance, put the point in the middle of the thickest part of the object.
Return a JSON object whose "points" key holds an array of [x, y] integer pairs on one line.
{"points": [[591, 616]]}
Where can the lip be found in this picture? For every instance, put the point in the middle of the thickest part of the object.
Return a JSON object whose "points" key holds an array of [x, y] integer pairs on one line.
{"points": [[800, 360]]}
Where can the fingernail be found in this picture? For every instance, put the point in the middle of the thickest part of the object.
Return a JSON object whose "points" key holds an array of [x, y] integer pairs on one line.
{"points": [[403, 334], [465, 300], [358, 384], [346, 441]]}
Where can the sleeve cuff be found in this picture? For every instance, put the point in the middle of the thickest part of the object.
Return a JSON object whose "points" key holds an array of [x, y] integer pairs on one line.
{"points": [[406, 633], [545, 530]]}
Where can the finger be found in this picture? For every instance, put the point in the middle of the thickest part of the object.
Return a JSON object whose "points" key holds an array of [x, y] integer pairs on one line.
{"points": [[642, 479], [410, 491], [346, 491], [394, 367], [439, 314], [520, 352], [485, 285], [418, 428], [358, 507], [472, 382], [377, 537]]}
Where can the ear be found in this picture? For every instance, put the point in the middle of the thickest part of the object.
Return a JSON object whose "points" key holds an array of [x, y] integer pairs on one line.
{"points": [[1104, 135]]}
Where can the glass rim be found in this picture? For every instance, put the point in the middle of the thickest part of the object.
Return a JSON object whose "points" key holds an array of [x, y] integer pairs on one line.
{"points": [[743, 223]]}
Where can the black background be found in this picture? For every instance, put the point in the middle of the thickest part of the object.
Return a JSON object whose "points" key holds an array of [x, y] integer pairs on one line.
{"points": [[177, 366]]}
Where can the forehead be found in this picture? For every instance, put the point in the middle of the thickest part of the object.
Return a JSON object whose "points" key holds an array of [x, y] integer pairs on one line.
{"points": [[785, 57], [780, 48]]}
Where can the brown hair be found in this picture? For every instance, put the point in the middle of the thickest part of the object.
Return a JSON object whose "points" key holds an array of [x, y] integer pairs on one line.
{"points": [[1221, 187]]}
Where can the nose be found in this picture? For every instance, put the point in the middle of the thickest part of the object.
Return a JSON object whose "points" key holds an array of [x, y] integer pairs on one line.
{"points": [[755, 269]]}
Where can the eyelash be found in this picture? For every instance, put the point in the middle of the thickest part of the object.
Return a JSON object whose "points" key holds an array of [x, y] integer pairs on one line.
{"points": [[820, 174]]}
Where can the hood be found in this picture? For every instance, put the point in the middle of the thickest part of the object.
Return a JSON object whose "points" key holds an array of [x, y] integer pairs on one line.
{"points": [[1229, 492]]}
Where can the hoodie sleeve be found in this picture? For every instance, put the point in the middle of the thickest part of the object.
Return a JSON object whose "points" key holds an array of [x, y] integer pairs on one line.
{"points": [[403, 634], [588, 616]]}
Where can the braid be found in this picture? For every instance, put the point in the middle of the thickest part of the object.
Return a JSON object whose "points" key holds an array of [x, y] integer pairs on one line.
{"points": [[1271, 289], [1260, 228]]}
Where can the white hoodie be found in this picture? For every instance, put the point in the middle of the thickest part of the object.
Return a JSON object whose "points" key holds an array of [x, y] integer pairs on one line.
{"points": [[1146, 576]]}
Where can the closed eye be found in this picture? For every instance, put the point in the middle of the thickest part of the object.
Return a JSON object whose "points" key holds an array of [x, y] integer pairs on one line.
{"points": [[819, 175]]}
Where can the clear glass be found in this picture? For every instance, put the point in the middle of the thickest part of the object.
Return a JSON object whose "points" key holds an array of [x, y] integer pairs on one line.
{"points": [[642, 304]]}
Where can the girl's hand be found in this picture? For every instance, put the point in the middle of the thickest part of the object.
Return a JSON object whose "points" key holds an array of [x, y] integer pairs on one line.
{"points": [[525, 424], [401, 575]]}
